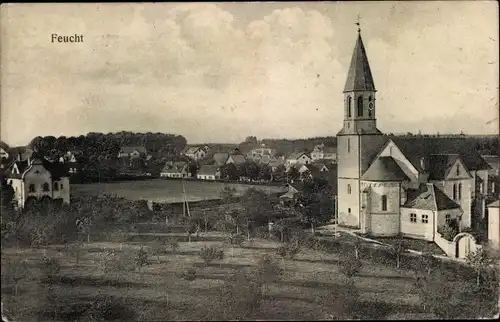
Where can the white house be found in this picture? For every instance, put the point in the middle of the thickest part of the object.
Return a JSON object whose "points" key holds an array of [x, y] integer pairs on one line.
{"points": [[196, 152], [3, 154], [322, 152], [209, 172], [494, 224], [36, 180], [301, 158], [175, 170]]}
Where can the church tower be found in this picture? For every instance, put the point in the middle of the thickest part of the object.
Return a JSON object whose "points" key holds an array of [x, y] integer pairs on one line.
{"points": [[359, 140]]}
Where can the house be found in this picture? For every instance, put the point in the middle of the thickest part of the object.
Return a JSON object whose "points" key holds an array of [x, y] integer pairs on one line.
{"points": [[493, 184], [3, 154], [322, 152], [494, 224], [209, 172], [20, 153], [132, 152], [236, 159], [38, 180], [220, 158], [276, 163], [322, 167], [195, 152], [69, 159], [175, 170], [300, 157], [390, 185]]}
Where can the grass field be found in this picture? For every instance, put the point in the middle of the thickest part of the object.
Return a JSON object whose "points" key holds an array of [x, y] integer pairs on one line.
{"points": [[160, 294], [166, 191]]}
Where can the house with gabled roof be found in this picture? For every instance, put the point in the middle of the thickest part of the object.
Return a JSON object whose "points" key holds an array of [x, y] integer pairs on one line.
{"points": [[391, 185], [38, 180], [236, 159], [298, 157], [209, 172], [220, 158], [131, 151], [178, 169], [195, 152]]}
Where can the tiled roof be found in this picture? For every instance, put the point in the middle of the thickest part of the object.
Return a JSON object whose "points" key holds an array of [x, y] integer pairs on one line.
{"points": [[208, 170], [56, 169], [238, 159], [429, 197], [439, 165], [359, 77], [296, 156], [220, 157], [384, 169], [191, 150], [492, 160], [176, 167], [414, 148]]}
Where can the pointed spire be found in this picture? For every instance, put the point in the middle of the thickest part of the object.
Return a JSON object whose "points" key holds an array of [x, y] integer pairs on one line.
{"points": [[359, 77]]}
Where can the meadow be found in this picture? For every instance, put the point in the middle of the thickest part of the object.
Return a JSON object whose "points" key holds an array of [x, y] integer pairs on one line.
{"points": [[158, 291], [164, 191]]}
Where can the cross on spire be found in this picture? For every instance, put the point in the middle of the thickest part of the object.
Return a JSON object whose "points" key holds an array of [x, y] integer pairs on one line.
{"points": [[358, 23]]}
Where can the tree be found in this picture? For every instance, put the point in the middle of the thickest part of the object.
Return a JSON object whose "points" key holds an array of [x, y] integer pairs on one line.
{"points": [[479, 261], [209, 254], [267, 272], [265, 172], [251, 169], [293, 174], [315, 202], [230, 171], [279, 173], [141, 259], [357, 247], [350, 266], [7, 192], [398, 249], [234, 239], [428, 261]]}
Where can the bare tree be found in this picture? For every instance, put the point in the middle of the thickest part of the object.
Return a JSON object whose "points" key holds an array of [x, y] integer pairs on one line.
{"points": [[479, 261]]}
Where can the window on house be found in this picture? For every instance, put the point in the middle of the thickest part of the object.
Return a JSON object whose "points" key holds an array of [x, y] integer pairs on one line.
{"points": [[45, 187], [360, 106], [425, 219], [348, 145], [56, 186], [61, 186], [384, 203], [458, 170], [349, 210], [447, 218], [413, 218], [31, 188], [349, 107], [454, 191], [460, 191], [348, 189]]}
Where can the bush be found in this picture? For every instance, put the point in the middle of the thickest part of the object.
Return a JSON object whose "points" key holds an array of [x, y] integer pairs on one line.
{"points": [[189, 274], [209, 254], [109, 308], [289, 250]]}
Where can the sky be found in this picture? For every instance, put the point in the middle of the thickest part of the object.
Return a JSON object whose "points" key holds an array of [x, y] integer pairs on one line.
{"points": [[219, 72]]}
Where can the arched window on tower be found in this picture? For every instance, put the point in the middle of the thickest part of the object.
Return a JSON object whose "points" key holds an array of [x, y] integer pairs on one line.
{"points": [[349, 106], [459, 191], [360, 106], [384, 203], [370, 106], [454, 191]]}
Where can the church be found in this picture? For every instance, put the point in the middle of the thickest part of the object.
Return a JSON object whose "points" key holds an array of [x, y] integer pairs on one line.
{"points": [[409, 186]]}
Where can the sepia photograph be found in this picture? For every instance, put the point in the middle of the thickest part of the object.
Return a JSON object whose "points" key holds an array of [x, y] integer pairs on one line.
{"points": [[225, 161]]}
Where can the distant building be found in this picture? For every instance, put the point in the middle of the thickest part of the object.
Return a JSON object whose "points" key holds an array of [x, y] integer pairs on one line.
{"points": [[209, 172], [69, 159], [276, 163], [300, 157], [132, 152], [176, 170], [493, 183], [38, 180], [3, 154], [494, 224], [220, 158], [322, 152], [196, 152], [236, 159], [20, 153]]}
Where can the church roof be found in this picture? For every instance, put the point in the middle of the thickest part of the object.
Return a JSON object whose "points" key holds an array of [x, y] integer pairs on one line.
{"points": [[494, 204], [415, 148], [359, 77], [384, 169], [440, 164], [429, 197]]}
